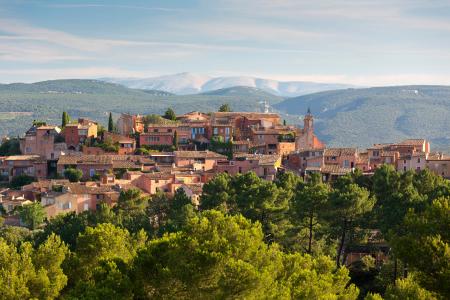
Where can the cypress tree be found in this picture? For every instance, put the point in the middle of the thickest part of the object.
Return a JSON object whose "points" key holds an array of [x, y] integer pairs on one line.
{"points": [[175, 140], [65, 119], [110, 123]]}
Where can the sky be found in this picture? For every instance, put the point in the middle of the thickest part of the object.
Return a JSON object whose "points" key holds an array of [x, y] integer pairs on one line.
{"points": [[382, 42]]}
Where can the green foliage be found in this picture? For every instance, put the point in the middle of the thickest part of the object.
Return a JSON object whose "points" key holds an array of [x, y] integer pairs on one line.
{"points": [[376, 115], [10, 147], [19, 181], [170, 115], [32, 215], [217, 144], [407, 289], [175, 140], [141, 151], [65, 119], [74, 175], [309, 206], [348, 204], [36, 102], [159, 148], [110, 123], [105, 242], [15, 235], [218, 256], [66, 226], [32, 274], [225, 108], [251, 196], [428, 234]]}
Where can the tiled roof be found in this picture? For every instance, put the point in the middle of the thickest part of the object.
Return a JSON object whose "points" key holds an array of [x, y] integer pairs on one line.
{"points": [[196, 188], [335, 170], [158, 175], [246, 114], [340, 152], [199, 154], [412, 142], [389, 153], [263, 159], [118, 161], [35, 158]]}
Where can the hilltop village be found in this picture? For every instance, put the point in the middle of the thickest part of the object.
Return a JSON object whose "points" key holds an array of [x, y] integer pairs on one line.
{"points": [[80, 165]]}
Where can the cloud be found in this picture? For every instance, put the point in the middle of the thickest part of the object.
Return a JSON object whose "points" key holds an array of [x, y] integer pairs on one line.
{"points": [[94, 5], [38, 74], [382, 12]]}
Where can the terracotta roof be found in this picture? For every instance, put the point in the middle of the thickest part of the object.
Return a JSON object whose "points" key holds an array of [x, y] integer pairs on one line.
{"points": [[118, 161], [196, 188], [246, 114], [340, 152], [156, 133], [158, 175], [199, 154], [335, 170], [35, 158], [263, 159], [413, 142], [389, 153]]}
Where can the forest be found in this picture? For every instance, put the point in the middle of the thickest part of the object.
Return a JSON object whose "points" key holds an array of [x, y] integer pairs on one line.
{"points": [[247, 239]]}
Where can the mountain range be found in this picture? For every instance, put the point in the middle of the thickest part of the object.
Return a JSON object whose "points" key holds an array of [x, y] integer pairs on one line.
{"points": [[189, 83], [349, 117]]}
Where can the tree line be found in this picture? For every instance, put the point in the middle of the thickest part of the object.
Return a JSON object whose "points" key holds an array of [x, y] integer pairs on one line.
{"points": [[248, 238]]}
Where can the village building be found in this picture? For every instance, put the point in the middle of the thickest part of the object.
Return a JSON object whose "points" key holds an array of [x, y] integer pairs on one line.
{"points": [[265, 166], [30, 165], [128, 124], [198, 160], [92, 165], [76, 134], [41, 140]]}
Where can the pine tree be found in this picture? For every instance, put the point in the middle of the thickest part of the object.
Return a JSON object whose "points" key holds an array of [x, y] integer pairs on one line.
{"points": [[170, 115], [110, 123], [225, 108]]}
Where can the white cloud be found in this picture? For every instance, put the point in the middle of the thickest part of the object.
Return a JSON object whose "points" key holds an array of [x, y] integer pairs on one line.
{"points": [[38, 74]]}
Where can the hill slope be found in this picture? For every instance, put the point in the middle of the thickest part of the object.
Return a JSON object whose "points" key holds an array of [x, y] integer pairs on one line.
{"points": [[23, 103], [374, 115], [188, 83]]}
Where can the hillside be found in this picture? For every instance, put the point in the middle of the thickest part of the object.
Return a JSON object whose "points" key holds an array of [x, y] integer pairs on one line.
{"points": [[374, 115], [23, 103], [189, 83], [243, 91]]}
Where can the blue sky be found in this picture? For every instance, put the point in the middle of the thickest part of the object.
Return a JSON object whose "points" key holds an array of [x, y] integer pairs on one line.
{"points": [[383, 42]]}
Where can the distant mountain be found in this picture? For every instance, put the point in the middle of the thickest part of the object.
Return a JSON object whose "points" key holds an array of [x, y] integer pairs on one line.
{"points": [[350, 117], [188, 83], [376, 115], [22, 103], [243, 91]]}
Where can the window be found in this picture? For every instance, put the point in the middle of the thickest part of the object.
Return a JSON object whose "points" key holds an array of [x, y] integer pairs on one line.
{"points": [[216, 130], [240, 170], [169, 130], [346, 163], [91, 172], [86, 206], [418, 160]]}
